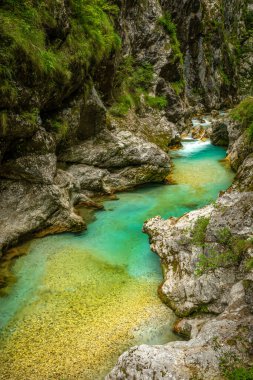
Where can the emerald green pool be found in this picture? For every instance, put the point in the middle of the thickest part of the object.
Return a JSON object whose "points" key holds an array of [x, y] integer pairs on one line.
{"points": [[81, 299]]}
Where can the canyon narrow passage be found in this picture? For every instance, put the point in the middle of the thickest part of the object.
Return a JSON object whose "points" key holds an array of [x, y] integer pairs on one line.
{"points": [[80, 300]]}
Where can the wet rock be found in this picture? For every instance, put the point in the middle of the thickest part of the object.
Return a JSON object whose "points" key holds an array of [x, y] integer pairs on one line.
{"points": [[219, 135]]}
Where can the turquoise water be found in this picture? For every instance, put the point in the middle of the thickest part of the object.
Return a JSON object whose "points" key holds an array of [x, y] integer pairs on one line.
{"points": [[106, 273]]}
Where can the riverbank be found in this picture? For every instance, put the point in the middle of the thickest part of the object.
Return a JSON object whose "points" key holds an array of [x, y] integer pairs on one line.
{"points": [[207, 259], [83, 290]]}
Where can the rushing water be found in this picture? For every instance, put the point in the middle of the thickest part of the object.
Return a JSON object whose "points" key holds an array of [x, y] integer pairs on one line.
{"points": [[81, 299]]}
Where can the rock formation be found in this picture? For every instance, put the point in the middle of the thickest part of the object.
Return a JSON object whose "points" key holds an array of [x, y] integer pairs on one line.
{"points": [[91, 107], [206, 257], [55, 119]]}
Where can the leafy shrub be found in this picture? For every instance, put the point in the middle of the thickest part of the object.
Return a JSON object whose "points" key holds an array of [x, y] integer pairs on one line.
{"points": [[159, 102], [178, 86], [214, 259], [199, 231], [123, 105], [240, 374], [231, 253], [171, 29]]}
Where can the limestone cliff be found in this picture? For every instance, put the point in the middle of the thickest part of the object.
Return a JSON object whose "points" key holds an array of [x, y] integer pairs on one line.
{"points": [[93, 93], [208, 281], [90, 106]]}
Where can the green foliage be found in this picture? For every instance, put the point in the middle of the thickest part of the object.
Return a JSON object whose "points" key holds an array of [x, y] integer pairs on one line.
{"points": [[249, 21], [178, 87], [214, 259], [123, 105], [28, 51], [159, 102], [225, 77], [244, 114], [59, 127], [30, 117], [166, 22], [230, 254], [224, 235], [239, 374], [125, 71], [230, 363], [142, 76], [199, 231], [250, 131], [133, 81], [249, 264]]}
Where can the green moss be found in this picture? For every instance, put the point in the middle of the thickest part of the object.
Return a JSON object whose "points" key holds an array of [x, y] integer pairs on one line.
{"points": [[166, 22], [244, 114], [178, 86], [123, 105], [28, 52], [214, 259], [239, 374], [203, 309], [133, 80], [59, 127], [199, 231], [232, 251], [159, 102]]}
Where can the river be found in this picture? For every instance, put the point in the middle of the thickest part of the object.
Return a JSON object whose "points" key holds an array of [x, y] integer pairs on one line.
{"points": [[80, 300]]}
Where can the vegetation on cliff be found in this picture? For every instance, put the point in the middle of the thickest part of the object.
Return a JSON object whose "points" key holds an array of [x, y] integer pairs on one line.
{"points": [[171, 28], [244, 114], [45, 39], [133, 82]]}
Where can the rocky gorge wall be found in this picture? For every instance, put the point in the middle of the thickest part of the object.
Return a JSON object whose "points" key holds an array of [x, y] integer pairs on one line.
{"points": [[208, 281], [101, 120], [91, 107]]}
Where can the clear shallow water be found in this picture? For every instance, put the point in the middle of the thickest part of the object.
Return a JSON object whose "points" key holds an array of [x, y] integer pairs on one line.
{"points": [[81, 299]]}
